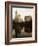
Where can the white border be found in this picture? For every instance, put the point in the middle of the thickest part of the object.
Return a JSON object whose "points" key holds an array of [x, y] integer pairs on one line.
{"points": [[33, 28]]}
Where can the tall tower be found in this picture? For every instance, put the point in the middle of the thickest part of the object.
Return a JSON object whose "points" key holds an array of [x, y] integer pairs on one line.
{"points": [[16, 13], [16, 17]]}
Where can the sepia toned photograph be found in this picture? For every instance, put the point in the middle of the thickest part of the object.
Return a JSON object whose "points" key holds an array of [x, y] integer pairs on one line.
{"points": [[21, 22]]}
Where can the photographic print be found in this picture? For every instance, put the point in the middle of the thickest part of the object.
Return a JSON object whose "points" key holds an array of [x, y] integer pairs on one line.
{"points": [[21, 22]]}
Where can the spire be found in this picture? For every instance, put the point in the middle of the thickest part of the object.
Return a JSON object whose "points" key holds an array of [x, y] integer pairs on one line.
{"points": [[16, 13]]}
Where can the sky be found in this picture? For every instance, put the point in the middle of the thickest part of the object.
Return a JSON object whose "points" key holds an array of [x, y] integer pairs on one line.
{"points": [[23, 12]]}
